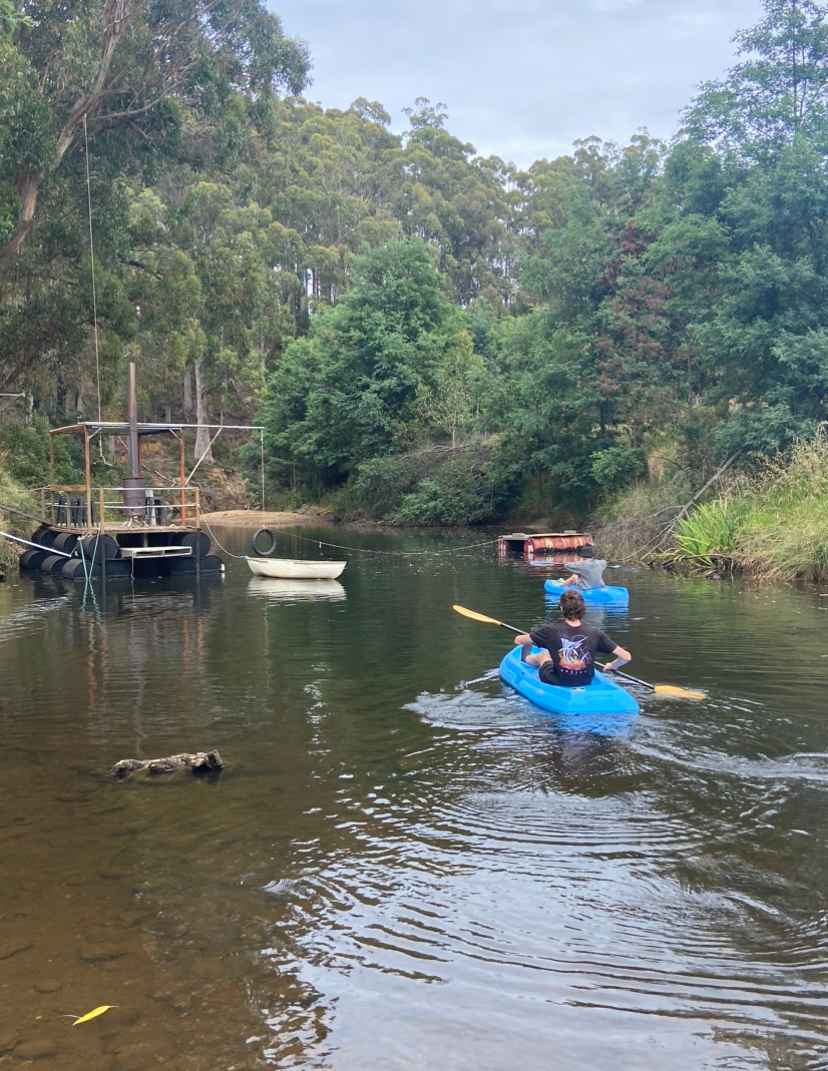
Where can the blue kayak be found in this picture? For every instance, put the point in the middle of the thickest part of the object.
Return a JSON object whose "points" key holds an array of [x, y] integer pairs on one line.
{"points": [[602, 696], [611, 595]]}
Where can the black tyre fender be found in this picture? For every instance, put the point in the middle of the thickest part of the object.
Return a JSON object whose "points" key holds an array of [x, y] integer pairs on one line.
{"points": [[257, 549]]}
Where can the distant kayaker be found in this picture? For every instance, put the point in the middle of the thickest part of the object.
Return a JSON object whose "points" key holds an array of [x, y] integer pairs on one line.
{"points": [[568, 650], [587, 573]]}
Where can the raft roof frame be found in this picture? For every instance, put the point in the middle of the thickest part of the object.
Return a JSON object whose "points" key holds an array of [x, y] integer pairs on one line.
{"points": [[90, 429]]}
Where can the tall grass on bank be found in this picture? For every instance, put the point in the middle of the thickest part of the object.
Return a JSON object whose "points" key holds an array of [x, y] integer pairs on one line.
{"points": [[629, 523], [784, 535], [12, 494], [710, 532], [773, 526]]}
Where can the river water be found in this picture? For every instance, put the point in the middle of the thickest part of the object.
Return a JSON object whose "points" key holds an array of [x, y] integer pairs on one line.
{"points": [[404, 864]]}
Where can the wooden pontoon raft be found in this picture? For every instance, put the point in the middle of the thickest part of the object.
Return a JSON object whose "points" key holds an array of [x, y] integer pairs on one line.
{"points": [[530, 545], [130, 530]]}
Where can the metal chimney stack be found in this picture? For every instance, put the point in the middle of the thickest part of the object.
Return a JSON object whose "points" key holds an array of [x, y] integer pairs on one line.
{"points": [[134, 496]]}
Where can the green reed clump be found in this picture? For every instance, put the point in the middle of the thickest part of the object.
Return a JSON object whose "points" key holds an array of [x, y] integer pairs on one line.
{"points": [[710, 532], [773, 525], [785, 531]]}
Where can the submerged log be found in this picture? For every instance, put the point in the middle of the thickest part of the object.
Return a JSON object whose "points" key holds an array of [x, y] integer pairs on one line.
{"points": [[198, 762]]}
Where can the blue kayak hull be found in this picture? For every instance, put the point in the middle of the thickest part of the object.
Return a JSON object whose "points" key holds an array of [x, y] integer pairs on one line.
{"points": [[613, 595], [601, 697]]}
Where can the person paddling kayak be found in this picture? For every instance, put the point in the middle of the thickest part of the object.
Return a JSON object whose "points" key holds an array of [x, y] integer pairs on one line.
{"points": [[588, 573], [567, 655]]}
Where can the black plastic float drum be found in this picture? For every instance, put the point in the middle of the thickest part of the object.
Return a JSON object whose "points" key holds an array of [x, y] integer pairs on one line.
{"points": [[53, 563], [198, 542], [31, 560], [270, 546], [65, 541], [100, 546], [44, 535], [73, 569]]}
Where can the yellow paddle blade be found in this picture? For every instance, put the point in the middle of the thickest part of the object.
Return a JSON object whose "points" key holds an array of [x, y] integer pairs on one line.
{"points": [[93, 1014], [475, 616], [675, 692]]}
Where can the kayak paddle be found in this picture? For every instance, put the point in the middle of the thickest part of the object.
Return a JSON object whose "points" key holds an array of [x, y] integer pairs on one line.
{"points": [[475, 616], [660, 689]]}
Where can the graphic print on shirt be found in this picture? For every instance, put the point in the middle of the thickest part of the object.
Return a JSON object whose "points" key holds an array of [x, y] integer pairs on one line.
{"points": [[575, 656]]}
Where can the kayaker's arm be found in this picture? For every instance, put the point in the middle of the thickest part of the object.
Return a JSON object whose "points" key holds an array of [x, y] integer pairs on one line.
{"points": [[622, 657], [523, 639]]}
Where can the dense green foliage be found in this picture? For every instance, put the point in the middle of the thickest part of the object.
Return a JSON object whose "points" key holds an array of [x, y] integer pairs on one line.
{"points": [[424, 332], [773, 524]]}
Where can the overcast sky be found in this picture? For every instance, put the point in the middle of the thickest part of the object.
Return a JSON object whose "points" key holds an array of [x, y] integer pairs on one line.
{"points": [[521, 78]]}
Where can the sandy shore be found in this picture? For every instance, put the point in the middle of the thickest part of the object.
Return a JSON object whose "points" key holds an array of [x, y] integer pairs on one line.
{"points": [[260, 518]]}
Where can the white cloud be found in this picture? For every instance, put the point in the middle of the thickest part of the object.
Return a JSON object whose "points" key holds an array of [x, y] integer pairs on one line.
{"points": [[522, 78]]}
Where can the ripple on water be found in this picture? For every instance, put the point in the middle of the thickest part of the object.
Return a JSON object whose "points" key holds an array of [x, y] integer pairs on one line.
{"points": [[401, 870]]}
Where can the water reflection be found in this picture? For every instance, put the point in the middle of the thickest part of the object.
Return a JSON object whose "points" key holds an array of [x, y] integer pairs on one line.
{"points": [[404, 863], [283, 590]]}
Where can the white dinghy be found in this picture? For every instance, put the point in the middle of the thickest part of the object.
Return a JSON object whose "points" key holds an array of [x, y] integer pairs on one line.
{"points": [[291, 569]]}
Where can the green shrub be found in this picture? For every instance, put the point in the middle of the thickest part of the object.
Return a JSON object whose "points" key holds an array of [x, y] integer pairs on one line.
{"points": [[710, 531], [618, 466], [13, 495], [445, 501], [432, 486], [25, 449]]}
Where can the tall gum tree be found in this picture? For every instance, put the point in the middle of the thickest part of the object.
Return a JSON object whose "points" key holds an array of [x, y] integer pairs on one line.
{"points": [[108, 64]]}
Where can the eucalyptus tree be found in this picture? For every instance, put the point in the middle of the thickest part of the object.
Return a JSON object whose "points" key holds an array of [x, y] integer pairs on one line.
{"points": [[764, 342], [777, 91], [118, 66], [353, 389], [460, 202], [94, 93]]}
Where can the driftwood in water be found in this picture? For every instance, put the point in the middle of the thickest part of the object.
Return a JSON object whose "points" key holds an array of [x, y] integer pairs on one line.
{"points": [[198, 762]]}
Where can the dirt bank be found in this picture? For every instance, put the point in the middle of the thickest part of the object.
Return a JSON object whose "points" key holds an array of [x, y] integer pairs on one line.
{"points": [[262, 518]]}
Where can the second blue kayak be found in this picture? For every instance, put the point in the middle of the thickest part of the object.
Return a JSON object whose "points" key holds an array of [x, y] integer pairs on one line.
{"points": [[602, 696], [612, 594]]}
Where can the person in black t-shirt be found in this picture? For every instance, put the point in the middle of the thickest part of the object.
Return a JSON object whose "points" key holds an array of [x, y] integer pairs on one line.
{"points": [[568, 649]]}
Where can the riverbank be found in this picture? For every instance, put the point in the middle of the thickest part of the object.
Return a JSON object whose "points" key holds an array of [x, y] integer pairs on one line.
{"points": [[770, 522], [15, 496], [264, 518]]}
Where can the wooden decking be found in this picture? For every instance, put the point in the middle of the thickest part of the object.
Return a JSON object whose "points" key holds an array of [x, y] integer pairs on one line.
{"points": [[125, 528]]}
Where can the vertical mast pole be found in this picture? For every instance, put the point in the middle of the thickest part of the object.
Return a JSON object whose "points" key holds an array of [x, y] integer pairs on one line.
{"points": [[132, 416], [87, 469], [182, 476], [134, 497]]}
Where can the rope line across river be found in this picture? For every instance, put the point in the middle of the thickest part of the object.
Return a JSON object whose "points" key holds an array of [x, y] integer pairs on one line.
{"points": [[358, 550]]}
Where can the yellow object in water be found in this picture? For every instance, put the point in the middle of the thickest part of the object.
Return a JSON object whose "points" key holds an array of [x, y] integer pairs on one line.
{"points": [[94, 1013]]}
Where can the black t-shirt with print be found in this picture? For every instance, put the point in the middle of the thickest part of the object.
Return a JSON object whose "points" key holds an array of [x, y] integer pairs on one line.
{"points": [[573, 650]]}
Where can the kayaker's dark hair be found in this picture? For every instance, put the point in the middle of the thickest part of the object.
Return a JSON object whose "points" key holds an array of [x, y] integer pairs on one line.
{"points": [[586, 552], [572, 605]]}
